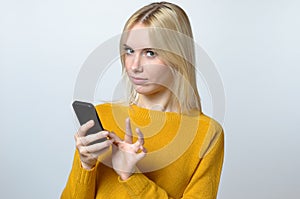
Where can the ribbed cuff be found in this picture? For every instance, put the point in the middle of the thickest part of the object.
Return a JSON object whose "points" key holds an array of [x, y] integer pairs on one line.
{"points": [[84, 176], [135, 184]]}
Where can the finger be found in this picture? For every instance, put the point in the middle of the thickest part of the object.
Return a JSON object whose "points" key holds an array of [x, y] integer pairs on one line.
{"points": [[89, 158], [79, 141], [94, 137], [144, 149], [128, 133], [86, 140], [114, 137], [138, 147], [85, 127], [140, 136], [97, 147], [83, 151], [142, 154]]}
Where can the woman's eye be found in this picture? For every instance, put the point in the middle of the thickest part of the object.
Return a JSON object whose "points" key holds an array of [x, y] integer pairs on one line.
{"points": [[129, 51], [150, 53]]}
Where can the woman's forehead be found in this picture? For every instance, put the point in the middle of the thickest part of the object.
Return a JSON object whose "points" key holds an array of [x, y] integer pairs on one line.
{"points": [[138, 38]]}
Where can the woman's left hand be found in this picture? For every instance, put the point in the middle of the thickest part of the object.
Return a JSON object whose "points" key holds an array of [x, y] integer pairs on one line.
{"points": [[126, 154]]}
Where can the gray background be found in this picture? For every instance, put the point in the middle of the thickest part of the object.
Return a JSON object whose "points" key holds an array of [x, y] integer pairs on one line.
{"points": [[255, 45]]}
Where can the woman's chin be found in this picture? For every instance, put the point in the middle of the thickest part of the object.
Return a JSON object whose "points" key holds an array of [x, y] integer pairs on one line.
{"points": [[146, 89]]}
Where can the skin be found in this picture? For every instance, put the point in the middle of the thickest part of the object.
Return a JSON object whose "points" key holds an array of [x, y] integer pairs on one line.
{"points": [[150, 77], [125, 153], [89, 153]]}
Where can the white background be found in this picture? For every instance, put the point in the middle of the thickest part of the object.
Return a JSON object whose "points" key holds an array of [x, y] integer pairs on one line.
{"points": [[255, 45]]}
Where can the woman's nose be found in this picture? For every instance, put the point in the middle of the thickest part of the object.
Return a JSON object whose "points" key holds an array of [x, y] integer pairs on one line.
{"points": [[136, 63]]}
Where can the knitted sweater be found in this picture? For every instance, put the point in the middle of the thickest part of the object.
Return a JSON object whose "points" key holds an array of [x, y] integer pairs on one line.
{"points": [[184, 158]]}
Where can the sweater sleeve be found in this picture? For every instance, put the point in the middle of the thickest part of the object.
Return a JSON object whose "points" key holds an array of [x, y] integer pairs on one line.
{"points": [[81, 183], [203, 184]]}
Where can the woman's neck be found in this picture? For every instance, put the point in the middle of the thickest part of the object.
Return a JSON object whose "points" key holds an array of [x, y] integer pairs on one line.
{"points": [[159, 102]]}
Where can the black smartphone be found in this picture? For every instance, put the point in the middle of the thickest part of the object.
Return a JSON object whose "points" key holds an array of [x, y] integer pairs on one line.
{"points": [[86, 111]]}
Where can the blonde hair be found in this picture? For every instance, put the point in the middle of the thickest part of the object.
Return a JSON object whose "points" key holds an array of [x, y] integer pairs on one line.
{"points": [[171, 34]]}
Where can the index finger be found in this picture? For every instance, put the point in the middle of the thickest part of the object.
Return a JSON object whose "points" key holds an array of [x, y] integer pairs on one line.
{"points": [[85, 127], [128, 133]]}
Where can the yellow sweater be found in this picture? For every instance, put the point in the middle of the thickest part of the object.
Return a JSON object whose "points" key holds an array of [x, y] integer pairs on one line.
{"points": [[184, 158]]}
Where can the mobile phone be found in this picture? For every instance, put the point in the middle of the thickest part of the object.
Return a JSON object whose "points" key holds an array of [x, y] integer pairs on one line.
{"points": [[86, 111]]}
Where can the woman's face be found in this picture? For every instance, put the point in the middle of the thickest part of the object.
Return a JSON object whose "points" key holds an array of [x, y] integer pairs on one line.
{"points": [[144, 66]]}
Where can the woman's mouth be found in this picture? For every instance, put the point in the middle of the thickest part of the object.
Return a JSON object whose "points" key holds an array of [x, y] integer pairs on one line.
{"points": [[138, 80]]}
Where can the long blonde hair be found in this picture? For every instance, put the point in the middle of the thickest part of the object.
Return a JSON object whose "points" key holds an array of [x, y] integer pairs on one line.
{"points": [[171, 34]]}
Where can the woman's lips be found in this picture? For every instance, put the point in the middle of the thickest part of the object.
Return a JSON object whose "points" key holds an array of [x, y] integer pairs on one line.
{"points": [[138, 80]]}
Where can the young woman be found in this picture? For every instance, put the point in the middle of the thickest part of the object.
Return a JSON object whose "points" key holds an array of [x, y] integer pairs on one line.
{"points": [[178, 151]]}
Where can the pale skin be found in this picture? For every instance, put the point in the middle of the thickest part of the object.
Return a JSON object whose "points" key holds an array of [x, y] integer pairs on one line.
{"points": [[147, 73], [125, 153], [89, 153]]}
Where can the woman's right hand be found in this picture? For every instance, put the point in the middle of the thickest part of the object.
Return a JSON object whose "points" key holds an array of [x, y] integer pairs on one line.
{"points": [[90, 153]]}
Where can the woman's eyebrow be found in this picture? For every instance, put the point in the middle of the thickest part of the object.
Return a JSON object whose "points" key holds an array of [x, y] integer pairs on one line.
{"points": [[151, 49], [144, 49], [126, 46]]}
